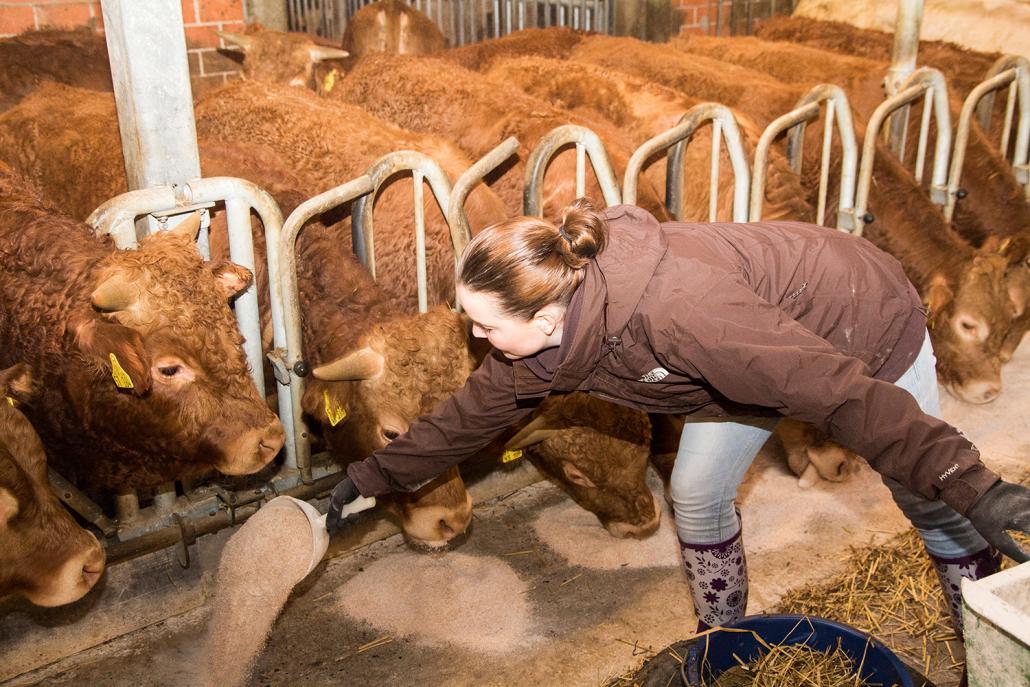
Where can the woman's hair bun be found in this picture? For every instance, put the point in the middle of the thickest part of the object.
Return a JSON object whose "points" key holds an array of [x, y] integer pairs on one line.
{"points": [[581, 234]]}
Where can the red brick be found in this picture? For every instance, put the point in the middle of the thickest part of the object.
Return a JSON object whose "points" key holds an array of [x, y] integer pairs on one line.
{"points": [[72, 14], [189, 12], [194, 60], [215, 62], [16, 19], [221, 10], [692, 31], [201, 37]]}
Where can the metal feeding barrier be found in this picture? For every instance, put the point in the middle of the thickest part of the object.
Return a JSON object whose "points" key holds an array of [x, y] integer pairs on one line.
{"points": [[924, 83], [1011, 71], [675, 140], [588, 145], [837, 111], [461, 21]]}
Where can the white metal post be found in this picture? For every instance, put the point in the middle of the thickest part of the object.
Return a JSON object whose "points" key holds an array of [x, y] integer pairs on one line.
{"points": [[151, 75], [903, 63]]}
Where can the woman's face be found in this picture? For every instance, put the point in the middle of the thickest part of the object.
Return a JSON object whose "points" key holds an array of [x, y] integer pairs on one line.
{"points": [[515, 338]]}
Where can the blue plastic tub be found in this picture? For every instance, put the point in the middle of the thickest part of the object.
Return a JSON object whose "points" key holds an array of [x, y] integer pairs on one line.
{"points": [[880, 666]]}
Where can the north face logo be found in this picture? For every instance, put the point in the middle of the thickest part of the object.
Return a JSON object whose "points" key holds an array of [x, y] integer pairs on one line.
{"points": [[655, 375]]}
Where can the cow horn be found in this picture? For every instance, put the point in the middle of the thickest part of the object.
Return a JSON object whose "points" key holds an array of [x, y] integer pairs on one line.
{"points": [[115, 293], [189, 227], [237, 41], [533, 433], [361, 364], [324, 52]]}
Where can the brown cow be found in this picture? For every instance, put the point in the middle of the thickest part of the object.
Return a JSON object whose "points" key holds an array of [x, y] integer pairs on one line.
{"points": [[143, 379], [598, 453], [963, 68], [293, 59], [77, 57], [972, 311], [555, 42], [339, 300], [644, 109], [44, 554], [438, 97], [391, 26]]}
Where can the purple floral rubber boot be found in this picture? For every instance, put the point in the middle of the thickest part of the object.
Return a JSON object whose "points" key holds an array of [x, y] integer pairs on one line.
{"points": [[950, 572], [717, 575]]}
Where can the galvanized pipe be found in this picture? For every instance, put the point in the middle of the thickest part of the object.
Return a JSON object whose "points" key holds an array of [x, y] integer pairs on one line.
{"points": [[75, 499], [676, 138], [294, 365], [713, 177], [457, 219], [921, 80], [1015, 76], [1019, 68], [903, 63], [548, 147], [380, 172]]}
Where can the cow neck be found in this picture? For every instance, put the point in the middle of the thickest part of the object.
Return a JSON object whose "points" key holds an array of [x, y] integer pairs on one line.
{"points": [[613, 285]]}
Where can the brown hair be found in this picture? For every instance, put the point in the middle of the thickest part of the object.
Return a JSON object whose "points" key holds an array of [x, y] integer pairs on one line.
{"points": [[528, 262]]}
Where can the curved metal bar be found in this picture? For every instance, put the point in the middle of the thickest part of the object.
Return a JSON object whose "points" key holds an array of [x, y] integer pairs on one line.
{"points": [[380, 172], [1016, 75], [461, 231], [676, 138], [294, 349], [795, 122], [922, 80], [985, 108], [549, 146]]}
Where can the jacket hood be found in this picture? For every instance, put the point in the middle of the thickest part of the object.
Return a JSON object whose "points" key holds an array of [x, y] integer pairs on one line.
{"points": [[636, 245]]}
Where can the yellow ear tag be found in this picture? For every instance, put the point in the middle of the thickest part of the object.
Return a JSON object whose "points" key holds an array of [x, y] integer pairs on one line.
{"points": [[333, 410], [511, 455], [10, 401], [329, 81], [122, 380]]}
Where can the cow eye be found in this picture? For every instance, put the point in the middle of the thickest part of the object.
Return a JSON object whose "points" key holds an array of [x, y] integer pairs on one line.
{"points": [[968, 326], [390, 434], [170, 370]]}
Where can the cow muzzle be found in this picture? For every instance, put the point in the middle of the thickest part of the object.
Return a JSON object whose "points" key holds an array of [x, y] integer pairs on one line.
{"points": [[625, 530], [253, 450]]}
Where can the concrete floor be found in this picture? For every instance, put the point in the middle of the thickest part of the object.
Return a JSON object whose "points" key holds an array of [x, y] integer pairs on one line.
{"points": [[557, 601]]}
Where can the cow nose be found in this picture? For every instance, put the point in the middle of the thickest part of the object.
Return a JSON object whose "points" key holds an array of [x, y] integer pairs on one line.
{"points": [[271, 442], [93, 566], [990, 393]]}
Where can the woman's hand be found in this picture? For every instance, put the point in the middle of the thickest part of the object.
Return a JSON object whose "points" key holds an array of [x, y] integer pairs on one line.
{"points": [[345, 503], [1005, 506]]}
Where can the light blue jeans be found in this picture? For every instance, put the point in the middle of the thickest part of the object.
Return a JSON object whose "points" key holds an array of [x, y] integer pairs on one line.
{"points": [[714, 454]]}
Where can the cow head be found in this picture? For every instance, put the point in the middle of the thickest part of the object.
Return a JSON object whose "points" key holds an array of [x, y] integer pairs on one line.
{"points": [[160, 356], [392, 26], [971, 314], [598, 453], [44, 554], [280, 57], [1016, 251], [367, 397]]}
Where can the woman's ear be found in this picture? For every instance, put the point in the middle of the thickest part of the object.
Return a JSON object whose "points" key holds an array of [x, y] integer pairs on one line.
{"points": [[548, 318]]}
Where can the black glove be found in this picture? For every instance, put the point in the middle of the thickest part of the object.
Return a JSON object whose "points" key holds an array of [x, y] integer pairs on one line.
{"points": [[1005, 506], [345, 503]]}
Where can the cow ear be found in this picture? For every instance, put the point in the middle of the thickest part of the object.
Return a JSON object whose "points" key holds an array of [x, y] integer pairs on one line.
{"points": [[234, 279], [118, 349], [8, 507], [576, 476], [939, 294], [533, 433], [16, 383]]}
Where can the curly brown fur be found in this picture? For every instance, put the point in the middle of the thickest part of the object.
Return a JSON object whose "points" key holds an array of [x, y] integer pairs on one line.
{"points": [[963, 68], [100, 436], [391, 26], [432, 95], [328, 143], [644, 109], [76, 57], [555, 42], [44, 554]]}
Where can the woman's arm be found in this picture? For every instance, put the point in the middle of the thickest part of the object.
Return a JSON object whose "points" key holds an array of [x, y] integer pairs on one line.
{"points": [[457, 429]]}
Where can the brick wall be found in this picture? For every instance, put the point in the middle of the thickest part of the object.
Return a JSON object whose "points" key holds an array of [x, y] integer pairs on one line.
{"points": [[699, 15], [201, 18], [697, 18]]}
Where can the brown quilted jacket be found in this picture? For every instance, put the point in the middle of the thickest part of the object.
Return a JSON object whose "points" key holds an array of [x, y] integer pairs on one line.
{"points": [[722, 319]]}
